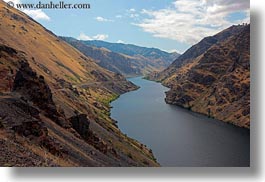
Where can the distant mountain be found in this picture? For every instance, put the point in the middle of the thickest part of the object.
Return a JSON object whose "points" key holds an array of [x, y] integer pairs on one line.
{"points": [[133, 50], [112, 61], [54, 102], [126, 59], [213, 77]]}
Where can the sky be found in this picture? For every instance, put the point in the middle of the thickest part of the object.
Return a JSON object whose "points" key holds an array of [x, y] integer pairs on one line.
{"points": [[170, 25]]}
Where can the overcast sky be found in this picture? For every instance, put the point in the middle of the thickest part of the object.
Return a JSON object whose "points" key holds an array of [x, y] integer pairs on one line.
{"points": [[165, 24]]}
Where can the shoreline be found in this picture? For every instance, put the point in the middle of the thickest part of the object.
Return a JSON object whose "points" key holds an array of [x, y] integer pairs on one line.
{"points": [[115, 122], [193, 119], [190, 109]]}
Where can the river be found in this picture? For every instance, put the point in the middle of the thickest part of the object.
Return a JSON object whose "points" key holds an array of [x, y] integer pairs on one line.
{"points": [[179, 137]]}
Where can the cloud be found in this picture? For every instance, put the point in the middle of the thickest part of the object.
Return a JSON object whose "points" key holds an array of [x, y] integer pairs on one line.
{"points": [[132, 10], [118, 16], [35, 14], [101, 19], [120, 41], [83, 36], [132, 13], [188, 21], [173, 51], [100, 37], [135, 15]]}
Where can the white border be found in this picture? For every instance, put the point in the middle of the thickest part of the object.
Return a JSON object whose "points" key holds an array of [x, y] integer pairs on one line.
{"points": [[180, 174]]}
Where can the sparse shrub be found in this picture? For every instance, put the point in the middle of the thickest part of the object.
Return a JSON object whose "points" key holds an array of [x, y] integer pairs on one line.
{"points": [[130, 155], [150, 151]]}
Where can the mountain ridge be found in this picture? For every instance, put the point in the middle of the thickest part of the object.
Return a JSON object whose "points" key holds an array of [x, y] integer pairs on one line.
{"points": [[127, 59]]}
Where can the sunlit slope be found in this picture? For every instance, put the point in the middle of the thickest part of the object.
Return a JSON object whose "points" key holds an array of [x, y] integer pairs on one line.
{"points": [[48, 54], [60, 84]]}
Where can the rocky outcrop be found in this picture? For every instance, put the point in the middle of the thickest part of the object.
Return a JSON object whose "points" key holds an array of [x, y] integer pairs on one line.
{"points": [[32, 86], [20, 118], [99, 144], [81, 124], [34, 89]]}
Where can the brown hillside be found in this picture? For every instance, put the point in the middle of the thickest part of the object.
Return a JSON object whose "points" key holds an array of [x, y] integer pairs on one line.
{"points": [[55, 102]]}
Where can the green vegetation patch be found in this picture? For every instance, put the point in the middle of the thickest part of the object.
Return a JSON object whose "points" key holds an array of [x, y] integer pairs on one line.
{"points": [[107, 100]]}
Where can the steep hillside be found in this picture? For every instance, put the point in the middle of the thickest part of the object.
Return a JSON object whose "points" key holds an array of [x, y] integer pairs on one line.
{"points": [[195, 51], [55, 102], [118, 63], [126, 59], [213, 77]]}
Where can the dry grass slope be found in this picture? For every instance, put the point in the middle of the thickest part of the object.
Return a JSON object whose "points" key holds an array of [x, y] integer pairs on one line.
{"points": [[77, 85]]}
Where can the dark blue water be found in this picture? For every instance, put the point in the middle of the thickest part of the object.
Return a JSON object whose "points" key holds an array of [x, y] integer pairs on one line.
{"points": [[177, 136]]}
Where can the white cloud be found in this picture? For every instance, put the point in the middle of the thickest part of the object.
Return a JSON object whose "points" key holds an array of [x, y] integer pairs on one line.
{"points": [[132, 10], [101, 19], [83, 36], [35, 14], [132, 13], [135, 15], [118, 16], [120, 41], [188, 21], [175, 50], [100, 37]]}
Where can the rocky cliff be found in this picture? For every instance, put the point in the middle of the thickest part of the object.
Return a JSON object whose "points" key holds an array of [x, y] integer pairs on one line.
{"points": [[213, 77]]}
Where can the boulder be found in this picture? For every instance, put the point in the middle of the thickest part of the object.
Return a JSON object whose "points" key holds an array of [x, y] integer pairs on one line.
{"points": [[81, 124]]}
